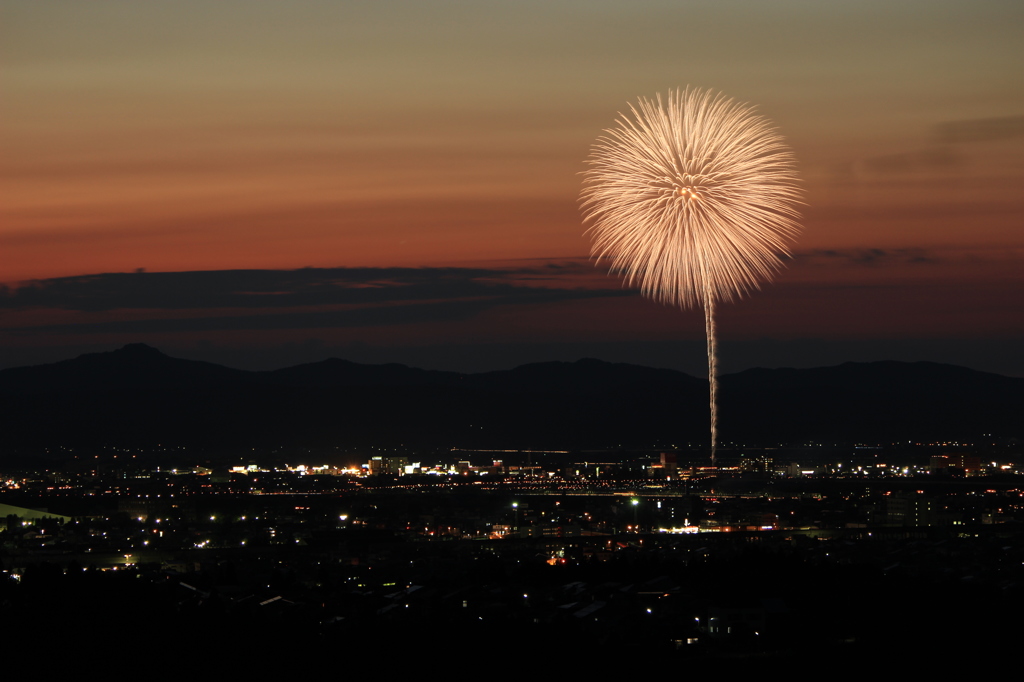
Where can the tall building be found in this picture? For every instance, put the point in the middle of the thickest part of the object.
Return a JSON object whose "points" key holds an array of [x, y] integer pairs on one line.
{"points": [[393, 466]]}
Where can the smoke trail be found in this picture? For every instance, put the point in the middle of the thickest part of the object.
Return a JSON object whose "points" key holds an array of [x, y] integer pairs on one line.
{"points": [[709, 328]]}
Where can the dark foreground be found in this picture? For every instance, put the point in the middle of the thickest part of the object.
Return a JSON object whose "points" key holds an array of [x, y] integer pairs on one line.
{"points": [[369, 599]]}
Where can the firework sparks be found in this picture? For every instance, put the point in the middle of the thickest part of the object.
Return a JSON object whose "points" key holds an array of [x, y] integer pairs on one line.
{"points": [[695, 199]]}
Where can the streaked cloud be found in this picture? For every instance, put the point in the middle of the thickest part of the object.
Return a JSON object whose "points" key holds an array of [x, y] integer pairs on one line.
{"points": [[867, 256], [299, 299], [980, 129]]}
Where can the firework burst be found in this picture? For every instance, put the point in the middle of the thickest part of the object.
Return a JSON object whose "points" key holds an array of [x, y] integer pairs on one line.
{"points": [[694, 198]]}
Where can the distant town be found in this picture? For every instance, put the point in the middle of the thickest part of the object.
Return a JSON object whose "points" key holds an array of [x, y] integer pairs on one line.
{"points": [[808, 489], [598, 544]]}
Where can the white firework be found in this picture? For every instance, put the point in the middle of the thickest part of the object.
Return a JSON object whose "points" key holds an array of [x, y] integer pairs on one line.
{"points": [[695, 198]]}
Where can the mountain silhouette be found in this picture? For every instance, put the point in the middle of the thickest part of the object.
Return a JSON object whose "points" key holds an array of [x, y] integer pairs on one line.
{"points": [[137, 396]]}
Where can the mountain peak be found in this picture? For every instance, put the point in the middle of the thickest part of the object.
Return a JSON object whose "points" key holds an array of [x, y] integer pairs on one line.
{"points": [[139, 350]]}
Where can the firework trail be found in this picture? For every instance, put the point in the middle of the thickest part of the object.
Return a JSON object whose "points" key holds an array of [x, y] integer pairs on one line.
{"points": [[694, 198]]}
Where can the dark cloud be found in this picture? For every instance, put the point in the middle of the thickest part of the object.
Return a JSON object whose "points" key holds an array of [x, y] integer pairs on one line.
{"points": [[980, 129], [374, 316], [867, 256], [222, 289], [371, 297]]}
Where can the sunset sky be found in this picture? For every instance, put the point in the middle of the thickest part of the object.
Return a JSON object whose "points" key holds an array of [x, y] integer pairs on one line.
{"points": [[264, 183]]}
